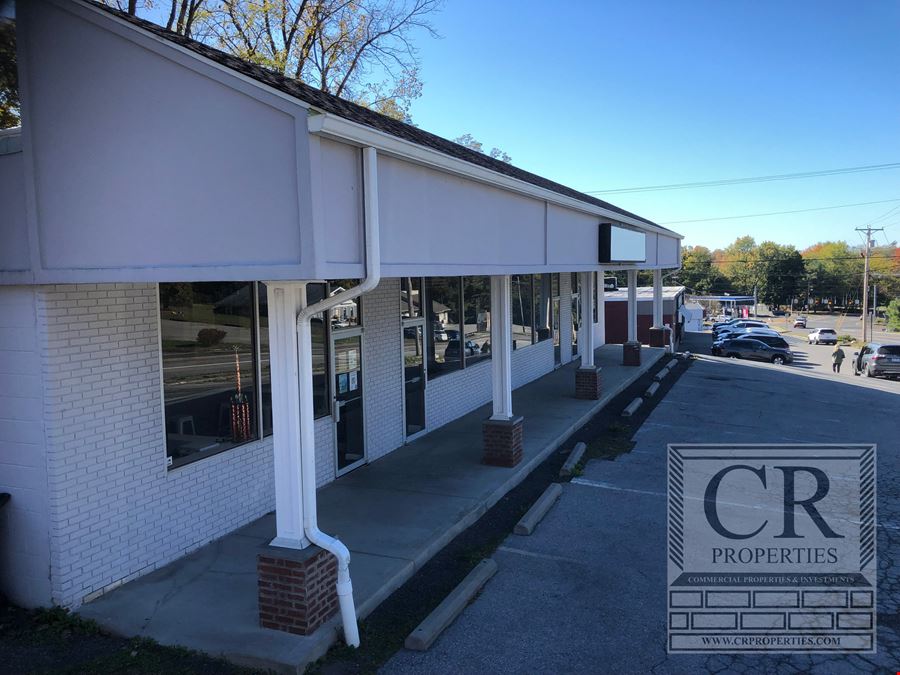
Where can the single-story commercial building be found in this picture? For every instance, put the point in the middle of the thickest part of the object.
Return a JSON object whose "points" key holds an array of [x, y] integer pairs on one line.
{"points": [[222, 289]]}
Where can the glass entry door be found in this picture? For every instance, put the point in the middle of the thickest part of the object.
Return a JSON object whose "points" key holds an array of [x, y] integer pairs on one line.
{"points": [[347, 411], [414, 376]]}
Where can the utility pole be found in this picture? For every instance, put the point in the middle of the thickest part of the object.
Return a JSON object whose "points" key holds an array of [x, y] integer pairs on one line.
{"points": [[865, 307]]}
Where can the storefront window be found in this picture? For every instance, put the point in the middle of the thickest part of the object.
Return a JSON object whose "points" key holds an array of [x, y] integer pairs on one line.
{"points": [[476, 344], [522, 310], [444, 332], [348, 313], [411, 297], [542, 307], [209, 354], [214, 335]]}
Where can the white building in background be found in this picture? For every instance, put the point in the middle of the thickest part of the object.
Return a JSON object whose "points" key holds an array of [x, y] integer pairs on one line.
{"points": [[167, 212]]}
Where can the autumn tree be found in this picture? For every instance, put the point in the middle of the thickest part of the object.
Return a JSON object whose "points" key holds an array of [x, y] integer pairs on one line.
{"points": [[699, 272], [360, 50], [469, 141]]}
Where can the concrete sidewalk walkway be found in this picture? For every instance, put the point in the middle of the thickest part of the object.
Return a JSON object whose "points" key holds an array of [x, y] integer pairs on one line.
{"points": [[393, 514]]}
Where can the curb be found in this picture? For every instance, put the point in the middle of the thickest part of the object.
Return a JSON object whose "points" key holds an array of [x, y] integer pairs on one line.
{"points": [[443, 615], [574, 457], [538, 510], [632, 407]]}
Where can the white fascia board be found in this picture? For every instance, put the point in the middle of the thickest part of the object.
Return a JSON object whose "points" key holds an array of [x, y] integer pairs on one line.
{"points": [[338, 128]]}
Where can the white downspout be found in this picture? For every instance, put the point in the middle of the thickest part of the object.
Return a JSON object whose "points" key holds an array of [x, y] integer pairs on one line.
{"points": [[307, 430]]}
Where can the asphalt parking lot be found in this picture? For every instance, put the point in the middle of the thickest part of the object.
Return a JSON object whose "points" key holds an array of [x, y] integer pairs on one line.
{"points": [[586, 592]]}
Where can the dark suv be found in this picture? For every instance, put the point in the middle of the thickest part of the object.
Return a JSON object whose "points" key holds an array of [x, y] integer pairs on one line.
{"points": [[745, 348], [877, 359], [719, 346]]}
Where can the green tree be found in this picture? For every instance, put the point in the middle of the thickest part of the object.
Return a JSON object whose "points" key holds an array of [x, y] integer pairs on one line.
{"points": [[700, 273], [9, 77], [738, 264], [893, 314], [778, 272]]}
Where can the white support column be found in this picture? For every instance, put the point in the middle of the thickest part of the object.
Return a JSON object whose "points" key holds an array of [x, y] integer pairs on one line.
{"points": [[586, 339], [285, 300], [632, 305], [657, 299], [501, 347], [601, 308]]}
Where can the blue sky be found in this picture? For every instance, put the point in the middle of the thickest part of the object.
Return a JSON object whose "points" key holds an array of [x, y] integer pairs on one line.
{"points": [[619, 94]]}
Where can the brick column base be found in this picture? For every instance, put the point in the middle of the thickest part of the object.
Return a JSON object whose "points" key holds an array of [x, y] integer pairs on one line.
{"points": [[587, 383], [631, 354], [502, 442], [297, 591]]}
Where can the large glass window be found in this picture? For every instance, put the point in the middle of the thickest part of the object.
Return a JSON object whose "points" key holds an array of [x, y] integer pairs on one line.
{"points": [[476, 344], [542, 307], [444, 332], [411, 297], [522, 310], [209, 354], [217, 376], [595, 296]]}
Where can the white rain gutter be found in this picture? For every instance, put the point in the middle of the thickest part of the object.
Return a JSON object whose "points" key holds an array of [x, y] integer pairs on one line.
{"points": [[307, 428]]}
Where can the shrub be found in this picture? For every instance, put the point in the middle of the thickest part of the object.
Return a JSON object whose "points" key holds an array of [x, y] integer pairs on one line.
{"points": [[207, 337]]}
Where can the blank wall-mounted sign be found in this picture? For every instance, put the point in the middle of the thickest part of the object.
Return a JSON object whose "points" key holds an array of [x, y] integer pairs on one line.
{"points": [[620, 244]]}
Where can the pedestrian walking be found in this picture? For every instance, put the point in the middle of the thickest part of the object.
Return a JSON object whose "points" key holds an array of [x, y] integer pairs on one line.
{"points": [[837, 357]]}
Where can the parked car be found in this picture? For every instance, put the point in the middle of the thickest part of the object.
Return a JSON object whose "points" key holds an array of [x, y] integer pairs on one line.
{"points": [[452, 351], [722, 321], [876, 359], [720, 346], [743, 323], [800, 322], [747, 348], [778, 312], [822, 336], [440, 335]]}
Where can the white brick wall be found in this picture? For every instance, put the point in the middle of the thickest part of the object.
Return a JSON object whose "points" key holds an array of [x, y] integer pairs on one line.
{"points": [[382, 369], [24, 529], [115, 510], [455, 394]]}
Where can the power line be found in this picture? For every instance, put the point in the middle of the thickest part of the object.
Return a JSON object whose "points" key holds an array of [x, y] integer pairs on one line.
{"points": [[751, 179], [778, 213]]}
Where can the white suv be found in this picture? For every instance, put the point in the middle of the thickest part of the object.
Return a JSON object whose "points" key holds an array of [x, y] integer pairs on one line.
{"points": [[823, 336]]}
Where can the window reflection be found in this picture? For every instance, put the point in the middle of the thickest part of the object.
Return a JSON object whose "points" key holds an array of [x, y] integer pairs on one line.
{"points": [[476, 344], [209, 367], [410, 297], [348, 313], [443, 298], [522, 310]]}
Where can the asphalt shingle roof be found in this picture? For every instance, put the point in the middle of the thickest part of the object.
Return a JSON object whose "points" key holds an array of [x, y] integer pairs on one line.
{"points": [[350, 111]]}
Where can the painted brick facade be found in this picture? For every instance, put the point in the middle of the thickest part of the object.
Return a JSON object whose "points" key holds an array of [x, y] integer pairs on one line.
{"points": [[116, 512], [24, 534], [112, 510]]}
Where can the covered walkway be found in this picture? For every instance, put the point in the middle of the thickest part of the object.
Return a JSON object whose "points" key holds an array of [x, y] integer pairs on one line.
{"points": [[393, 514]]}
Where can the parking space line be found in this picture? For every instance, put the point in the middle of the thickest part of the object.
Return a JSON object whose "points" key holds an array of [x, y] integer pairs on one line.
{"points": [[542, 556]]}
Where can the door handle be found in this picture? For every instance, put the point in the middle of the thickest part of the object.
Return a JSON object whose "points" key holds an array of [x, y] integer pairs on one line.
{"points": [[337, 410]]}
